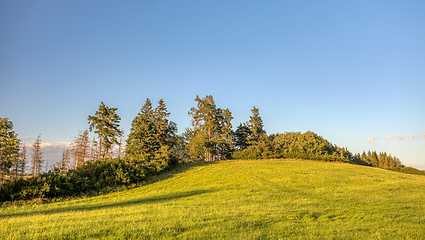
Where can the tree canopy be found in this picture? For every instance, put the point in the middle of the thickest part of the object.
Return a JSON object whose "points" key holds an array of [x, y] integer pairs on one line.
{"points": [[105, 123], [9, 146], [210, 135]]}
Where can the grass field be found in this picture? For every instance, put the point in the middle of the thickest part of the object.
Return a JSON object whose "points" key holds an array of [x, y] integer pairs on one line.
{"points": [[239, 200]]}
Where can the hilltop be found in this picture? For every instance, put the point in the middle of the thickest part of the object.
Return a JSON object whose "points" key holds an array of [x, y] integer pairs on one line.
{"points": [[240, 200]]}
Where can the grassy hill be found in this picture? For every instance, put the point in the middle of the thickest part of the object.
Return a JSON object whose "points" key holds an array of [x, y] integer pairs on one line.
{"points": [[239, 200]]}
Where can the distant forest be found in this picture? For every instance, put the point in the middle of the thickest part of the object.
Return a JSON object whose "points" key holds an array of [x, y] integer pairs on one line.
{"points": [[153, 146]]}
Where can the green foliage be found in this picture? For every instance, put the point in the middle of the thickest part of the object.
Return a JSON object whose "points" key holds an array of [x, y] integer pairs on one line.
{"points": [[91, 177], [241, 136], [408, 170], [294, 145], [9, 147], [210, 136], [256, 127], [238, 200], [105, 124], [152, 136], [381, 160]]}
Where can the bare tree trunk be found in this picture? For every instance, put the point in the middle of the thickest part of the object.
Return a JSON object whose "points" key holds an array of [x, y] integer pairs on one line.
{"points": [[100, 148]]}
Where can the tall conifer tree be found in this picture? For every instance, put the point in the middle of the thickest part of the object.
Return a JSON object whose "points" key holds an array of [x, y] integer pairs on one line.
{"points": [[210, 136], [142, 137], [106, 125], [256, 125], [37, 157], [151, 132], [9, 146]]}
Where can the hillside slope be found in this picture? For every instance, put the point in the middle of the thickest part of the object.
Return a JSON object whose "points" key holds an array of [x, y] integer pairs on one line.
{"points": [[240, 200]]}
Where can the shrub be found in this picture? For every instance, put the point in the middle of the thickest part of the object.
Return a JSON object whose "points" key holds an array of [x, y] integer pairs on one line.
{"points": [[93, 176]]}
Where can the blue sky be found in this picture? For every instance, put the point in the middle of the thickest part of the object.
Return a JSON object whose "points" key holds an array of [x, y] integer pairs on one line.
{"points": [[351, 71]]}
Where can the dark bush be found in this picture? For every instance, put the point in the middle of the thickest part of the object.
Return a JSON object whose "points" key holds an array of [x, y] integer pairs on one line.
{"points": [[93, 176]]}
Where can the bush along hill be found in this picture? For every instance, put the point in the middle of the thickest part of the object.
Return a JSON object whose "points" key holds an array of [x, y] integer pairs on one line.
{"points": [[153, 146], [91, 177]]}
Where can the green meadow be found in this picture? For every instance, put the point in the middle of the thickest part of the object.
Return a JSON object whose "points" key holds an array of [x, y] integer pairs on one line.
{"points": [[273, 199]]}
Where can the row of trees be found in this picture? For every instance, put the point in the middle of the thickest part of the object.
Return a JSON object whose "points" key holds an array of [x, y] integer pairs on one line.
{"points": [[381, 160], [13, 154], [153, 146], [153, 138]]}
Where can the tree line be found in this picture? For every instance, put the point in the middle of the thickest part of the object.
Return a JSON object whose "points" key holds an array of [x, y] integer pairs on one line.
{"points": [[154, 145]]}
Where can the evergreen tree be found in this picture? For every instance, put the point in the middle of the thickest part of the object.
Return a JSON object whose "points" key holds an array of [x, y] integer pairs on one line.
{"points": [[242, 135], [151, 133], [374, 159], [142, 139], [364, 157], [226, 141], [9, 147], [210, 136], [256, 126], [37, 157], [106, 125], [81, 148]]}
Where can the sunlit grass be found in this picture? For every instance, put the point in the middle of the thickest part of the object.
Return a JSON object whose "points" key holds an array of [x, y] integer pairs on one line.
{"points": [[239, 200]]}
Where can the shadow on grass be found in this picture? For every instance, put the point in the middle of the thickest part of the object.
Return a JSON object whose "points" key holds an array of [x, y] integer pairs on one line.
{"points": [[142, 200], [88, 207]]}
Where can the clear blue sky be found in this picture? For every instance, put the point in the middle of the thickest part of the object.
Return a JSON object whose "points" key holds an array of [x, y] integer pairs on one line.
{"points": [[351, 71]]}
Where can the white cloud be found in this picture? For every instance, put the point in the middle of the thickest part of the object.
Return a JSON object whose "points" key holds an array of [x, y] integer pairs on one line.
{"points": [[413, 138], [51, 144], [52, 151], [372, 139], [389, 137], [55, 144]]}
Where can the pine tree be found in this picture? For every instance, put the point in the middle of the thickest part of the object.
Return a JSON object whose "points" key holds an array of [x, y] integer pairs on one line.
{"points": [[210, 131], [226, 141], [9, 147], [106, 125], [37, 157]]}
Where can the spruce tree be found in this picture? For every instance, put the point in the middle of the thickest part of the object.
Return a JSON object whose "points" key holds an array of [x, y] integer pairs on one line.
{"points": [[242, 135], [37, 157], [105, 122], [151, 133], [142, 139], [256, 126]]}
